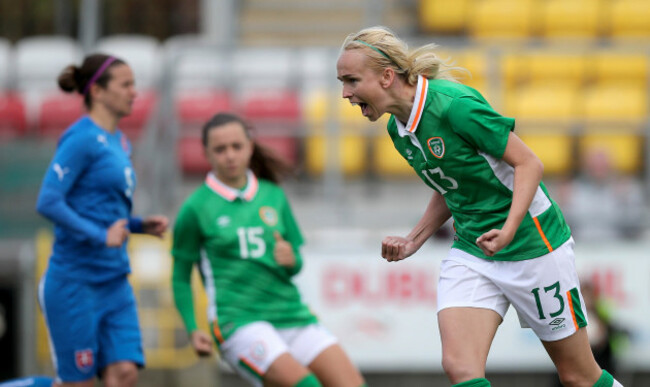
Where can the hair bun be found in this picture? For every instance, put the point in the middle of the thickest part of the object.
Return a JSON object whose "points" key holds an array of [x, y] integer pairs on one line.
{"points": [[68, 79]]}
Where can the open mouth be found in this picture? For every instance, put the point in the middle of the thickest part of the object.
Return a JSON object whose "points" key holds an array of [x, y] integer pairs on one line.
{"points": [[363, 106]]}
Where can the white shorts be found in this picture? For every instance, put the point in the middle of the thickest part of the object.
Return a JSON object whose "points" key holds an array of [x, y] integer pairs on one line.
{"points": [[545, 291], [252, 349]]}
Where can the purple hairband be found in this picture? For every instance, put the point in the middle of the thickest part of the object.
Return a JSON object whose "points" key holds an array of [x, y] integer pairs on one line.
{"points": [[99, 73]]}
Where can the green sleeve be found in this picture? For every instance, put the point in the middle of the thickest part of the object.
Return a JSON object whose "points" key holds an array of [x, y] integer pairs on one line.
{"points": [[186, 250], [187, 237], [293, 236], [478, 124], [182, 289]]}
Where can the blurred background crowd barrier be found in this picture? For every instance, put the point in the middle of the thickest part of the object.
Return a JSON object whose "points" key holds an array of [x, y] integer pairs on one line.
{"points": [[574, 73]]}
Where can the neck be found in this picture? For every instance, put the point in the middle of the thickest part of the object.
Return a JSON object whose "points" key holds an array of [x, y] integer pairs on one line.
{"points": [[103, 118], [236, 183], [403, 100]]}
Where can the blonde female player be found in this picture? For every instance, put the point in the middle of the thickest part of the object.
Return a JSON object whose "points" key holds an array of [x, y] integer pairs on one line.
{"points": [[241, 221], [512, 245]]}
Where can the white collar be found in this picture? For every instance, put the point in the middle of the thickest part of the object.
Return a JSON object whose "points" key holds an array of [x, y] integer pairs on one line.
{"points": [[229, 193], [417, 110]]}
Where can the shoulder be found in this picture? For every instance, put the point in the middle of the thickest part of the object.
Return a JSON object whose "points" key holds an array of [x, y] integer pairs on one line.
{"points": [[271, 189]]}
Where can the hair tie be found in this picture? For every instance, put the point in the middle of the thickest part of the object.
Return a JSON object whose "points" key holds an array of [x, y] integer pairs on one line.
{"points": [[99, 73], [374, 48]]}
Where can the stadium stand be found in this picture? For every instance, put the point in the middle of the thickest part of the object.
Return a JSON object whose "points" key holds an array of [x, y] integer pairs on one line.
{"points": [[571, 19], [614, 102], [441, 16], [56, 112], [505, 19], [12, 116], [628, 19], [623, 145], [349, 144], [554, 147]]}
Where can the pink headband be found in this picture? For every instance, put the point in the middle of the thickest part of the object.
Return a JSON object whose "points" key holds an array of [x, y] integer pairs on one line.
{"points": [[99, 73]]}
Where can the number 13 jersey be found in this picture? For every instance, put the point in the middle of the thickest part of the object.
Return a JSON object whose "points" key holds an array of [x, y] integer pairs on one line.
{"points": [[455, 142]]}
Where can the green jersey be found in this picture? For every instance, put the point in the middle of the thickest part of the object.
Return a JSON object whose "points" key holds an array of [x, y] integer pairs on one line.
{"points": [[229, 234], [455, 142]]}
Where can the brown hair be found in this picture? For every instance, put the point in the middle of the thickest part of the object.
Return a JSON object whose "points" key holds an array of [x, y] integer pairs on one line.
{"points": [[74, 78], [264, 163]]}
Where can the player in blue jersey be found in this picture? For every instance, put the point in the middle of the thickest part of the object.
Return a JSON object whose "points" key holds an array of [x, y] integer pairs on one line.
{"points": [[86, 299]]}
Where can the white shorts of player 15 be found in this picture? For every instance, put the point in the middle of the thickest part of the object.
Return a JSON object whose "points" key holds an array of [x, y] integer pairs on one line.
{"points": [[254, 347], [545, 291]]}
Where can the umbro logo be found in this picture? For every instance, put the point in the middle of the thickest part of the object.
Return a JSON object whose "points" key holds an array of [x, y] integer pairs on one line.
{"points": [[223, 221], [557, 324]]}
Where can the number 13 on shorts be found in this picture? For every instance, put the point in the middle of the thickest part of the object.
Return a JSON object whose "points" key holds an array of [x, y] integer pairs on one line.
{"points": [[552, 302]]}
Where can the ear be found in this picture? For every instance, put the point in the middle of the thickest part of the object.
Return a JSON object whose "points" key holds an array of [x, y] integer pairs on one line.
{"points": [[387, 77]]}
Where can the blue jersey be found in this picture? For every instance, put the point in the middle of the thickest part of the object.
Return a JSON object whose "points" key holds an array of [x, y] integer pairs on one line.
{"points": [[87, 187]]}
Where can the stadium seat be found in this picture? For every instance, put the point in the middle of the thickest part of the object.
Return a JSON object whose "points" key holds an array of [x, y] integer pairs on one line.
{"points": [[624, 147], [510, 19], [12, 116], [263, 68], [443, 16], [619, 67], [199, 70], [514, 69], [557, 67], [191, 156], [629, 19], [555, 149], [142, 53], [475, 61], [387, 161], [39, 61], [135, 123], [615, 102], [195, 108], [562, 19], [543, 102], [275, 116], [350, 142], [57, 111]]}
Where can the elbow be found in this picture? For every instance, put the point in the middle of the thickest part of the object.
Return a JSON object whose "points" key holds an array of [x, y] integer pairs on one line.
{"points": [[538, 168]]}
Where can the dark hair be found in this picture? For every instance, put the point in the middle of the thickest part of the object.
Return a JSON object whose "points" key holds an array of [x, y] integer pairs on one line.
{"points": [[264, 163], [74, 78]]}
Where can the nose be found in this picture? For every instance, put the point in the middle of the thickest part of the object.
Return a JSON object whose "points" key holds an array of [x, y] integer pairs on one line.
{"points": [[346, 93]]}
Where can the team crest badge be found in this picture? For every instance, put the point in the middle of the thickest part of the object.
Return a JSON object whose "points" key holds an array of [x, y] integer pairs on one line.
{"points": [[436, 146], [84, 359], [125, 145], [269, 215]]}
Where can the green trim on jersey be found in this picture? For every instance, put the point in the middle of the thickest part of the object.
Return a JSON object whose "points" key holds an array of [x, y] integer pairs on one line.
{"points": [[232, 242], [454, 141]]}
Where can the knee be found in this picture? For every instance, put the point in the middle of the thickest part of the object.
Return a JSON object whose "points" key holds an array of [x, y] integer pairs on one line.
{"points": [[458, 369], [121, 374]]}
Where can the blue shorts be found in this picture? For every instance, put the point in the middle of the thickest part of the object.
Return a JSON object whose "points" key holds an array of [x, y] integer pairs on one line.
{"points": [[90, 325], [31, 381]]}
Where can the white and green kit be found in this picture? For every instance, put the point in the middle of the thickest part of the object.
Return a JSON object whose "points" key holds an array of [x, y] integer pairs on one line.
{"points": [[229, 234], [454, 141]]}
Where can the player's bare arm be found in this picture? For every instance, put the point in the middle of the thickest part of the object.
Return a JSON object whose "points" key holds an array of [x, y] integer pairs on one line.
{"points": [[528, 174], [394, 248]]}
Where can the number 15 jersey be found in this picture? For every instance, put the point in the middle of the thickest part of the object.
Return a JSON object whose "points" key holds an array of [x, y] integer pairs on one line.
{"points": [[230, 235], [455, 142]]}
